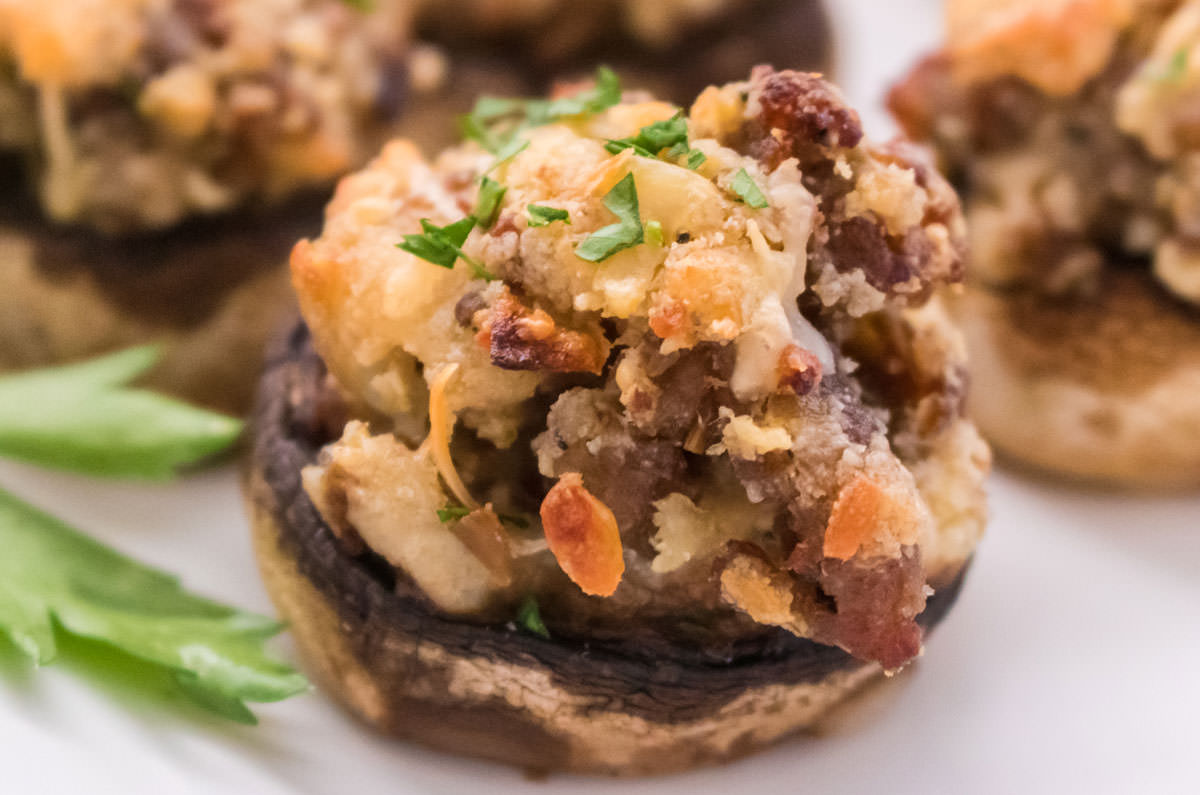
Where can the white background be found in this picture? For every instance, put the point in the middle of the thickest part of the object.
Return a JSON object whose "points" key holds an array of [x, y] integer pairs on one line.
{"points": [[1069, 665]]}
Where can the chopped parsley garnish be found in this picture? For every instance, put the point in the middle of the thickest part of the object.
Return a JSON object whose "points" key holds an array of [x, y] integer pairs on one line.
{"points": [[442, 245], [695, 158], [670, 134], [452, 512], [654, 233], [544, 216], [496, 123], [487, 205], [361, 5], [627, 232], [746, 189], [600, 97], [529, 618]]}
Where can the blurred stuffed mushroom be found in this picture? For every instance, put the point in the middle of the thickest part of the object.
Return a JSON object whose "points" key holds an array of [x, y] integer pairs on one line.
{"points": [[672, 47], [162, 156], [1071, 129], [622, 438]]}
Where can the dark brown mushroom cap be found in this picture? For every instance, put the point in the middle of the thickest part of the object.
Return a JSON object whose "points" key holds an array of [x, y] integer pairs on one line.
{"points": [[211, 292], [495, 691]]}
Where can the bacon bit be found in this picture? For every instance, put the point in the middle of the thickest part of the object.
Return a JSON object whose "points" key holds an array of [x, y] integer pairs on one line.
{"points": [[583, 535], [855, 518], [669, 319], [523, 339], [441, 428], [799, 369], [481, 533]]}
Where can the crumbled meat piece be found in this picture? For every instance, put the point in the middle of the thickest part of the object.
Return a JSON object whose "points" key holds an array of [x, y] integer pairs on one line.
{"points": [[806, 109], [878, 601], [799, 370], [520, 338]]}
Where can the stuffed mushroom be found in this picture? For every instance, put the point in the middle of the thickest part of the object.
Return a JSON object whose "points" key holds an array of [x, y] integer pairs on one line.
{"points": [[163, 155], [1070, 128], [622, 438]]}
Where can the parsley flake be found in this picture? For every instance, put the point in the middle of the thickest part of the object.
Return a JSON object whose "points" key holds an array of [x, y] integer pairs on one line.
{"points": [[529, 618], [669, 134], [627, 232], [747, 190], [487, 205], [497, 122], [442, 245], [452, 512], [544, 216]]}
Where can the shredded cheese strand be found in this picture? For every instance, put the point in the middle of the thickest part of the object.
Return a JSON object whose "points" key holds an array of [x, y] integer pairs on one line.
{"points": [[441, 428]]}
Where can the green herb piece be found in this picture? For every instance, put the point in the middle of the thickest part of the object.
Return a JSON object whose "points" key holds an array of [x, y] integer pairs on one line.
{"points": [[529, 618], [670, 134], [695, 158], [600, 97], [654, 233], [544, 216], [746, 189], [627, 232], [361, 5], [54, 581], [653, 138], [487, 205], [452, 512], [615, 147], [442, 245], [85, 418], [496, 122], [1176, 68]]}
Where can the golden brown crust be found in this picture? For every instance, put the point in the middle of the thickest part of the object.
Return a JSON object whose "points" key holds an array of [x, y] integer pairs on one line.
{"points": [[1057, 45], [493, 691], [1102, 389]]}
